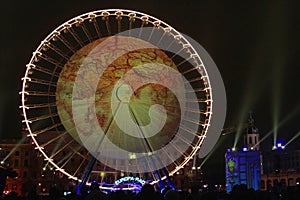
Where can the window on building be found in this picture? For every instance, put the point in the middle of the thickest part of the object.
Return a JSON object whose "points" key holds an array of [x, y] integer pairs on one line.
{"points": [[250, 140], [14, 186], [283, 182], [269, 182], [262, 184], [16, 163], [255, 140], [243, 168], [26, 153], [8, 162], [275, 182], [25, 174], [243, 175], [17, 153], [25, 163], [290, 181]]}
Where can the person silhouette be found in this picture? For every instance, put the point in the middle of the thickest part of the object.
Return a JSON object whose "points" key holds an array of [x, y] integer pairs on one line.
{"points": [[96, 193]]}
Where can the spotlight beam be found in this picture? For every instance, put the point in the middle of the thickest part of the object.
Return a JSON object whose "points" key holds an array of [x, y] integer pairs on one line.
{"points": [[13, 149], [293, 138], [295, 111]]}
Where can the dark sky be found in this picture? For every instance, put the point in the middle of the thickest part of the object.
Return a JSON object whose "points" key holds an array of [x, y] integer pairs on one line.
{"points": [[253, 43]]}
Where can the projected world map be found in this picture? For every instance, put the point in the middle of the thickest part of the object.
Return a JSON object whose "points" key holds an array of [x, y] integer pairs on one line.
{"points": [[95, 61]]}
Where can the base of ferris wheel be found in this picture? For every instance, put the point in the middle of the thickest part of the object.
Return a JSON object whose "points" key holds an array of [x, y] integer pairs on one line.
{"points": [[124, 183]]}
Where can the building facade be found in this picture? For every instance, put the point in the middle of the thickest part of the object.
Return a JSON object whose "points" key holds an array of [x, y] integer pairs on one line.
{"points": [[243, 167], [23, 159], [281, 168], [281, 160], [282, 179], [33, 172]]}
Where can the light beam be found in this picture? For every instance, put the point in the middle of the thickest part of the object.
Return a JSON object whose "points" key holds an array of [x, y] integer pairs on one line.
{"points": [[293, 138], [14, 149]]}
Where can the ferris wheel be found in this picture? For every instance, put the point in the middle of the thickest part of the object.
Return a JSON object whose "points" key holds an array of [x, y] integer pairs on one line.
{"points": [[89, 90]]}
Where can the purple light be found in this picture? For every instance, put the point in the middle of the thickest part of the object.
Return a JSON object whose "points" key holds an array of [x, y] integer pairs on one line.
{"points": [[279, 145], [228, 150]]}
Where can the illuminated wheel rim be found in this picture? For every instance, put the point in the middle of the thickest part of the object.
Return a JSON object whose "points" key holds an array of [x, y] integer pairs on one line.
{"points": [[39, 107]]}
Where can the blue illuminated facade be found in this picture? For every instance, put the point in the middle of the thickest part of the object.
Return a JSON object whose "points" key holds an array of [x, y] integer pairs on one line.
{"points": [[243, 167]]}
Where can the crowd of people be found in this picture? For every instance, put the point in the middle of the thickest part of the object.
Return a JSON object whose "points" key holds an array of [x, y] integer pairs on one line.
{"points": [[148, 192]]}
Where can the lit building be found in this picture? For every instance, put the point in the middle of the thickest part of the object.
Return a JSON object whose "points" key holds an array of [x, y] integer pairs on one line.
{"points": [[282, 179], [244, 167], [34, 174], [281, 160], [281, 168], [23, 159], [251, 135]]}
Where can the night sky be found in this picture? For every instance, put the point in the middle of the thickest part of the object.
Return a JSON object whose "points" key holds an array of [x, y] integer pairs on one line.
{"points": [[254, 45]]}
